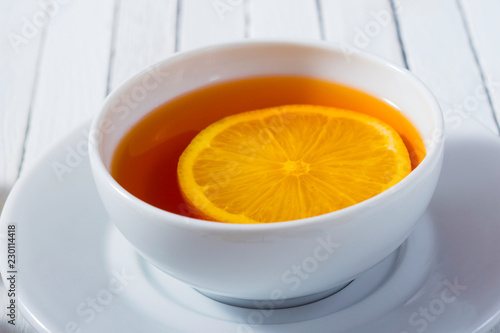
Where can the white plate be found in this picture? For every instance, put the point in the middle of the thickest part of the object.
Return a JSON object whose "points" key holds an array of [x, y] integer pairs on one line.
{"points": [[75, 271]]}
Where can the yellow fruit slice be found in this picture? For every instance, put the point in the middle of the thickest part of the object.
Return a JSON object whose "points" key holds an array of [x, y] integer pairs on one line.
{"points": [[289, 162]]}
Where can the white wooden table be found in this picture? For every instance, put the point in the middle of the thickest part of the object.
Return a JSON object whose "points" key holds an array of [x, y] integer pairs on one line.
{"points": [[60, 58]]}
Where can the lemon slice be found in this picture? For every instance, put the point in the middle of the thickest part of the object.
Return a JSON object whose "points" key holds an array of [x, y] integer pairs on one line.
{"points": [[289, 162]]}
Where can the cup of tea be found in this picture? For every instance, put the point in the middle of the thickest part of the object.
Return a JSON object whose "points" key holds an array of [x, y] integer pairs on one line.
{"points": [[146, 124]]}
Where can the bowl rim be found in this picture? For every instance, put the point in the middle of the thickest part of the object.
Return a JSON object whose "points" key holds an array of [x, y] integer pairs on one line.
{"points": [[434, 151]]}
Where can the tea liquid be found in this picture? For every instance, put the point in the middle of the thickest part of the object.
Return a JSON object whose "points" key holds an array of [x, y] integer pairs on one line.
{"points": [[145, 162]]}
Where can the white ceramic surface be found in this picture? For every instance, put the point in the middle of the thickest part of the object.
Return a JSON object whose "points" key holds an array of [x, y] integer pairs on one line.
{"points": [[292, 259], [76, 271]]}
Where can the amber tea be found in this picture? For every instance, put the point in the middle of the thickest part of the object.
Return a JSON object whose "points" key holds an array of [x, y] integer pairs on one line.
{"points": [[145, 162]]}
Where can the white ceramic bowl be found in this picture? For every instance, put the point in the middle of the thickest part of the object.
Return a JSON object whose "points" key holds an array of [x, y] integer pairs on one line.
{"points": [[296, 261]]}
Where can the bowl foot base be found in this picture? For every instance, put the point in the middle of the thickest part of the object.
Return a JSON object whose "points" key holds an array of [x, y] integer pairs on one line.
{"points": [[274, 304]]}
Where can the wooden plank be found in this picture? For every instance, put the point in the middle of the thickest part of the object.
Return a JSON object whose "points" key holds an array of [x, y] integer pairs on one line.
{"points": [[203, 22], [283, 18], [20, 47], [145, 33], [73, 73], [481, 19], [452, 74], [367, 25]]}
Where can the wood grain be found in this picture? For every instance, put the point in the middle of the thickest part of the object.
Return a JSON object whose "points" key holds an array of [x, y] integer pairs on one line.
{"points": [[438, 52], [203, 22], [481, 19], [283, 18], [367, 25], [145, 33], [73, 73], [20, 48]]}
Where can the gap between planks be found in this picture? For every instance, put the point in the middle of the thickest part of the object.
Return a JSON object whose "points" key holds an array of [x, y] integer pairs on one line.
{"points": [[478, 63]]}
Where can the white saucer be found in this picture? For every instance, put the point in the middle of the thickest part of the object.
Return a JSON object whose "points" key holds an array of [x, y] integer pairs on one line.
{"points": [[75, 269]]}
